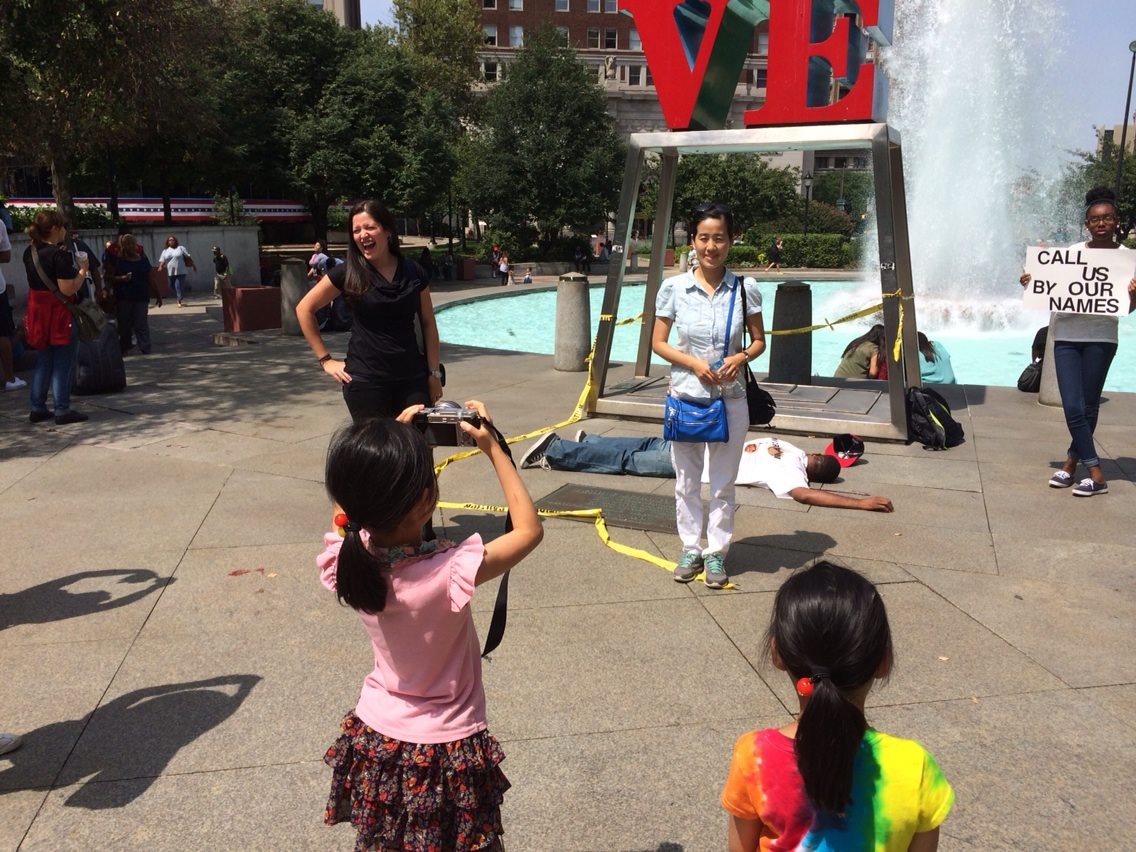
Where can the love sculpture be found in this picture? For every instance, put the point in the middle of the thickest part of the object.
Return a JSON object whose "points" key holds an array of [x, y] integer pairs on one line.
{"points": [[696, 51]]}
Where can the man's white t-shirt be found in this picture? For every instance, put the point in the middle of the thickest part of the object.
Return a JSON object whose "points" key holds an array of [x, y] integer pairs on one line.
{"points": [[779, 474]]}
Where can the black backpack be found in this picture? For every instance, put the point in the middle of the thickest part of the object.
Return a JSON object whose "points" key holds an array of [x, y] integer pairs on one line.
{"points": [[929, 420]]}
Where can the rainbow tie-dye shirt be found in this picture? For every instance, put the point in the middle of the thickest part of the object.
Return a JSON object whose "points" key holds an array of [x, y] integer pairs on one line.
{"points": [[897, 792]]}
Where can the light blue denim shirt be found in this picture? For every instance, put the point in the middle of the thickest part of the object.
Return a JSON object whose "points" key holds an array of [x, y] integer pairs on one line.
{"points": [[699, 328]]}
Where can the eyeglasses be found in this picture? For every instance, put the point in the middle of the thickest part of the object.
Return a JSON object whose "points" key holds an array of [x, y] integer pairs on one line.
{"points": [[1101, 220]]}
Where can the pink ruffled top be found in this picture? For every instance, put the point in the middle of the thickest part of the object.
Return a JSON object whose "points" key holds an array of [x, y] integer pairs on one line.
{"points": [[426, 685]]}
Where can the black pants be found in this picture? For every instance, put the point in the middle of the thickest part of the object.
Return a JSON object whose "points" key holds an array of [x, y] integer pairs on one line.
{"points": [[372, 398]]}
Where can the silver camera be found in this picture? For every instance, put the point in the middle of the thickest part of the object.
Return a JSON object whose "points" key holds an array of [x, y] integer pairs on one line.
{"points": [[441, 424]]}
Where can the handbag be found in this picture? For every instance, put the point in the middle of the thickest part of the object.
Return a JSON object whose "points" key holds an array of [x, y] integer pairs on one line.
{"points": [[1030, 379], [760, 402], [88, 316], [699, 421]]}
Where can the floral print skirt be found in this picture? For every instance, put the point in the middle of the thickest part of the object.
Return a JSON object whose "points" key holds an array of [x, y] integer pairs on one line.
{"points": [[420, 797]]}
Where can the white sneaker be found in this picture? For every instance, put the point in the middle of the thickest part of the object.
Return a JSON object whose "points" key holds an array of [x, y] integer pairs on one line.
{"points": [[15, 384], [9, 742]]}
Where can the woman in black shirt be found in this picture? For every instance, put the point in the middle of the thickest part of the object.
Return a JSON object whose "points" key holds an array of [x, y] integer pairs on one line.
{"points": [[384, 371]]}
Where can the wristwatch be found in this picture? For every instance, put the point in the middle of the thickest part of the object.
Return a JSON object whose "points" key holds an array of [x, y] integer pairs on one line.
{"points": [[325, 359], [437, 374]]}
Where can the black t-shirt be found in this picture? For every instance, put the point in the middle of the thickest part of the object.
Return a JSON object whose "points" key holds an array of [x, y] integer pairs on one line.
{"points": [[383, 343], [56, 262], [220, 263]]}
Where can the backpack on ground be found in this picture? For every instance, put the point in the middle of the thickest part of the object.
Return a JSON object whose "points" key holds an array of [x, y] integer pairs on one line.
{"points": [[929, 420], [99, 367]]}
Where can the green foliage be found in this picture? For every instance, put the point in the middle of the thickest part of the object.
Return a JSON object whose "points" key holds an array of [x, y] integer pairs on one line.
{"points": [[228, 209], [756, 191], [429, 156], [858, 189], [820, 251], [821, 219], [441, 39], [1094, 170], [82, 216], [545, 150]]}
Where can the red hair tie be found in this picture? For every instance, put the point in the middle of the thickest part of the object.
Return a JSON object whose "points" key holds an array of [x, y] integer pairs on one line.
{"points": [[804, 686]]}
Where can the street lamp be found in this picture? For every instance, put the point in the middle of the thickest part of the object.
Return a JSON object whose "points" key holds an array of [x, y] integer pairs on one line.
{"points": [[807, 182], [1124, 126]]}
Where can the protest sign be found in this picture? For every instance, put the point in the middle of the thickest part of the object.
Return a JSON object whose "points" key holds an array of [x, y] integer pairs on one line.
{"points": [[1079, 280]]}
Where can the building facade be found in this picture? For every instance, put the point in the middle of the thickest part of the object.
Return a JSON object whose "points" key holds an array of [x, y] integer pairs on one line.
{"points": [[345, 11], [608, 44]]}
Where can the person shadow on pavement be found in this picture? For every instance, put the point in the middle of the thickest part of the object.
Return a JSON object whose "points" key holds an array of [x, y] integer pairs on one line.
{"points": [[128, 741], [55, 600]]}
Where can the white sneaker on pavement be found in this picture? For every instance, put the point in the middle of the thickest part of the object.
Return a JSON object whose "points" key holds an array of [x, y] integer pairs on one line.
{"points": [[15, 384], [10, 742]]}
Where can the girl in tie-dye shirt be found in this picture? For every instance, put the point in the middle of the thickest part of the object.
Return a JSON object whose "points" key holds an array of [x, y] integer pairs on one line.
{"points": [[828, 781]]}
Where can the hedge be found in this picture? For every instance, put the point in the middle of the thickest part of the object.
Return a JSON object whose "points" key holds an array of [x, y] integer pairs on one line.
{"points": [[86, 216]]}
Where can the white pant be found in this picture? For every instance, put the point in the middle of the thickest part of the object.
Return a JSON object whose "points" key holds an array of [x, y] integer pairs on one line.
{"points": [[722, 462]]}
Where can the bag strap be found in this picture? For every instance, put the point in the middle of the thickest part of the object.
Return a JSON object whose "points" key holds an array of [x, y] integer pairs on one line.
{"points": [[496, 631], [43, 277], [730, 315], [745, 327]]}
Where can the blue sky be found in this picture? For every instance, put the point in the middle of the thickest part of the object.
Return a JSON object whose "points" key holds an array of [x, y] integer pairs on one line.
{"points": [[1093, 75]]}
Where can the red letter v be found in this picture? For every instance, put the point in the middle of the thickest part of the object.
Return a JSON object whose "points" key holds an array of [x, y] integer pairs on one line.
{"points": [[696, 54]]}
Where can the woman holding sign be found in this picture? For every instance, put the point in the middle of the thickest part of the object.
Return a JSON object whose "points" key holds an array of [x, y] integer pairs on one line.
{"points": [[1083, 349]]}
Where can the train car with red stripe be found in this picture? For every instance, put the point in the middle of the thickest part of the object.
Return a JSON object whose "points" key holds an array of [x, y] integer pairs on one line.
{"points": [[186, 210]]}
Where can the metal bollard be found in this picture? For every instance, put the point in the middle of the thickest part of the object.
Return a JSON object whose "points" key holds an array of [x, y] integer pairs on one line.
{"points": [[791, 356], [1049, 393], [293, 287], [573, 324]]}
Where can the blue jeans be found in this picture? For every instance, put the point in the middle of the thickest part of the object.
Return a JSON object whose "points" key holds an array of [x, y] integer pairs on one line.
{"points": [[1081, 371], [601, 454], [175, 284], [54, 365]]}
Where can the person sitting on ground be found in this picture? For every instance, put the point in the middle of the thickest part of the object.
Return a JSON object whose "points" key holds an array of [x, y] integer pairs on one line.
{"points": [[767, 462], [861, 358], [317, 263], [528, 276], [934, 362]]}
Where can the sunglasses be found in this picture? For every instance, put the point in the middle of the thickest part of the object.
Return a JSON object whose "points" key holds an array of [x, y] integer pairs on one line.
{"points": [[714, 205]]}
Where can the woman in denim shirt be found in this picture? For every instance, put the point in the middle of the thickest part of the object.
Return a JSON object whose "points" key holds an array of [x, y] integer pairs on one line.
{"points": [[696, 305]]}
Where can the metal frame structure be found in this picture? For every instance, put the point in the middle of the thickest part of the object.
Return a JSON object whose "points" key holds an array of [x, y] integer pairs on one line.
{"points": [[895, 263]]}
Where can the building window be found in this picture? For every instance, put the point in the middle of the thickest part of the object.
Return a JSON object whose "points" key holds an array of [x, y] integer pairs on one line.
{"points": [[762, 44], [490, 72], [610, 39], [593, 38], [563, 31], [516, 36], [516, 5], [593, 5], [759, 77], [610, 6], [561, 5], [633, 42], [488, 4], [634, 75], [490, 34], [650, 80]]}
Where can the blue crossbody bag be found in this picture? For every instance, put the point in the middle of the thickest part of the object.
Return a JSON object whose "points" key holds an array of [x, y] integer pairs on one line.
{"points": [[700, 421]]}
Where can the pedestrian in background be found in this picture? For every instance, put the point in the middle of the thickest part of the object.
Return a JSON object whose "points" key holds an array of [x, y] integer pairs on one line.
{"points": [[222, 272], [174, 259]]}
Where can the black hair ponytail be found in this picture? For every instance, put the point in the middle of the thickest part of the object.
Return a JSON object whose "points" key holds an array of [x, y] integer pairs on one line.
{"points": [[829, 625], [376, 472]]}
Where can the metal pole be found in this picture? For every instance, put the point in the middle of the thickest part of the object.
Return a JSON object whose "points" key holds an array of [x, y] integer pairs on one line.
{"points": [[1124, 126], [808, 196]]}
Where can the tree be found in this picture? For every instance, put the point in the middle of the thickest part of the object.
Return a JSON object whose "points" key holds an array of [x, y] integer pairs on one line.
{"points": [[754, 190], [429, 156], [1099, 169], [75, 74], [441, 38], [855, 187], [547, 148]]}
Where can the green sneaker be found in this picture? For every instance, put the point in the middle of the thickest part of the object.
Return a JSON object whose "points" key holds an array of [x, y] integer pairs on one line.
{"points": [[689, 565], [716, 577]]}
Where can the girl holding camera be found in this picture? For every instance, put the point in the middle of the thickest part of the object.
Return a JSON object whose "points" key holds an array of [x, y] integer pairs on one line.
{"points": [[415, 767], [384, 370]]}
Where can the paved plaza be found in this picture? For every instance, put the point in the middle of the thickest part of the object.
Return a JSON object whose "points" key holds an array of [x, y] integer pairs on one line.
{"points": [[177, 670]]}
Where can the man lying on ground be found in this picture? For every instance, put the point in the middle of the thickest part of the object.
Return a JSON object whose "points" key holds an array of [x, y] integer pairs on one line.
{"points": [[769, 462]]}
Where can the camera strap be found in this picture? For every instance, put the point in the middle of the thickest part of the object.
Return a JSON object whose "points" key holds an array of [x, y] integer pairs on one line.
{"points": [[496, 630]]}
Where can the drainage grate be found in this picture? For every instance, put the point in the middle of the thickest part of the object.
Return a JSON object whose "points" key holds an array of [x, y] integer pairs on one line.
{"points": [[631, 510]]}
